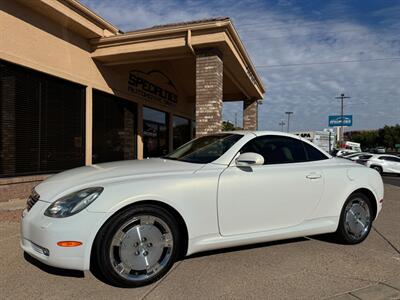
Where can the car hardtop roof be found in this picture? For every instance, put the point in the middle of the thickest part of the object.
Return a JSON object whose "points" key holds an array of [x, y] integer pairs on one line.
{"points": [[262, 132]]}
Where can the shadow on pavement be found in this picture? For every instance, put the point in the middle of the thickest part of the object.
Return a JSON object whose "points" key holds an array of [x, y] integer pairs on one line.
{"points": [[327, 238], [53, 270]]}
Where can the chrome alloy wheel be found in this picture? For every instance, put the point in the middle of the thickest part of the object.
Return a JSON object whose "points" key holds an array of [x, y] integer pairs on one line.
{"points": [[357, 218], [141, 248]]}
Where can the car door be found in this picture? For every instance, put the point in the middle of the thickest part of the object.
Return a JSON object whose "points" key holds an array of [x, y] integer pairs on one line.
{"points": [[393, 164], [281, 193], [385, 163]]}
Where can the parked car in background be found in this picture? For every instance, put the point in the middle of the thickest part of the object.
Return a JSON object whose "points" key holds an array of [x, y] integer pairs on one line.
{"points": [[380, 150], [349, 148], [384, 163], [343, 152], [354, 156], [362, 159], [131, 220]]}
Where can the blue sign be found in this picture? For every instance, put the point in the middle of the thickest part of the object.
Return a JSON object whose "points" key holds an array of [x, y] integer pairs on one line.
{"points": [[336, 120]]}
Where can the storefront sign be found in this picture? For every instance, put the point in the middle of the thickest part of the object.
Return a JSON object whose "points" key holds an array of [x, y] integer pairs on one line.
{"points": [[153, 85], [306, 134]]}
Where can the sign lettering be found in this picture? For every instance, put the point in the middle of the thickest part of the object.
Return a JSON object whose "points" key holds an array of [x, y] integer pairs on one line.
{"points": [[142, 84]]}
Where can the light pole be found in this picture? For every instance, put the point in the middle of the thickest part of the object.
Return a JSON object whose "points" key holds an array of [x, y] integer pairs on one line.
{"points": [[281, 123], [341, 97], [235, 120], [288, 119]]}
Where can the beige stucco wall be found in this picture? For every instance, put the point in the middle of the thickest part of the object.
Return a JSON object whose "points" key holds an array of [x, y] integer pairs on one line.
{"points": [[31, 40]]}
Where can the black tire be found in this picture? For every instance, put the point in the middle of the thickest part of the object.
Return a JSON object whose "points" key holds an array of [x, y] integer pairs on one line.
{"points": [[342, 234], [101, 257], [378, 169]]}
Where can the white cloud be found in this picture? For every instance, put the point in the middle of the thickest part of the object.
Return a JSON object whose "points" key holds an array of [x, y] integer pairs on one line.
{"points": [[284, 34]]}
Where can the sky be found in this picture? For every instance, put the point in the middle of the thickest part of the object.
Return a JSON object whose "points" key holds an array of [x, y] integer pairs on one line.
{"points": [[306, 52]]}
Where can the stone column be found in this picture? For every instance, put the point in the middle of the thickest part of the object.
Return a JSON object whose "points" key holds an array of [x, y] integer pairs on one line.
{"points": [[209, 77], [250, 115]]}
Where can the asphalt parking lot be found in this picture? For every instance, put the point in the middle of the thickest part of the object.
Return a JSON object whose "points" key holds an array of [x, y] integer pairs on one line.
{"points": [[304, 268]]}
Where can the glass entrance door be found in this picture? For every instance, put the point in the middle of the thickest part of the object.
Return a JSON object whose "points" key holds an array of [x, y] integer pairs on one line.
{"points": [[155, 133]]}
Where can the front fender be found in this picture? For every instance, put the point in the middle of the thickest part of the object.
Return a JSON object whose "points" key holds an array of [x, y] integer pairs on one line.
{"points": [[193, 196]]}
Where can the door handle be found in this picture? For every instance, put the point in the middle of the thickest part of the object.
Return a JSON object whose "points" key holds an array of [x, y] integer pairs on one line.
{"points": [[314, 176]]}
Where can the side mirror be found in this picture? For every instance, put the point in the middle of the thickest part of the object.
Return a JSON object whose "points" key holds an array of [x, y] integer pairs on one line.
{"points": [[249, 159]]}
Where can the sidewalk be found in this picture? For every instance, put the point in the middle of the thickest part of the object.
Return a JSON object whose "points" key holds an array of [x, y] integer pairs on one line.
{"points": [[387, 290]]}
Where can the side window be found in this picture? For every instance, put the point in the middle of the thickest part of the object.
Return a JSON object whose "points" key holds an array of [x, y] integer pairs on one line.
{"points": [[390, 158], [277, 149], [313, 153]]}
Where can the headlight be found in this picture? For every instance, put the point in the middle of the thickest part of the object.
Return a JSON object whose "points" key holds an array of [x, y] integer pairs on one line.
{"points": [[73, 203]]}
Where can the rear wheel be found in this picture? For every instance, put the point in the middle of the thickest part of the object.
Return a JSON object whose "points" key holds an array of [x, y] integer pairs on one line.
{"points": [[355, 219], [137, 246]]}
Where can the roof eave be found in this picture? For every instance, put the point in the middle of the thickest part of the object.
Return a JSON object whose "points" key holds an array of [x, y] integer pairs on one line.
{"points": [[246, 57], [92, 16]]}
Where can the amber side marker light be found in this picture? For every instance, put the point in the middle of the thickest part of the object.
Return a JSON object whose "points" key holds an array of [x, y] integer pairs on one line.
{"points": [[69, 244]]}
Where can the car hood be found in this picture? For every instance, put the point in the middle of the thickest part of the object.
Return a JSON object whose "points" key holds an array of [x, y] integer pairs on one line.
{"points": [[95, 175]]}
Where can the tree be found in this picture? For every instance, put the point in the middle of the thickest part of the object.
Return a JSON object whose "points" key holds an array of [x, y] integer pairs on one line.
{"points": [[228, 126], [388, 137]]}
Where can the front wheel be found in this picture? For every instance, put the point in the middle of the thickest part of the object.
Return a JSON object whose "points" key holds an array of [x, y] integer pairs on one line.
{"points": [[138, 246], [378, 169], [355, 219]]}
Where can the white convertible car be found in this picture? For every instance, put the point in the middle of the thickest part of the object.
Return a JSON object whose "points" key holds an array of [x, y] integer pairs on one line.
{"points": [[131, 220]]}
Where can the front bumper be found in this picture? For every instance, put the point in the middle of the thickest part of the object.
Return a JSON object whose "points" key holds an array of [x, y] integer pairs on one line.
{"points": [[40, 234]]}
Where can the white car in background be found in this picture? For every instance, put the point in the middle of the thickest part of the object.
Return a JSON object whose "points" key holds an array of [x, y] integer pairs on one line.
{"points": [[131, 220], [384, 163], [343, 152], [355, 156]]}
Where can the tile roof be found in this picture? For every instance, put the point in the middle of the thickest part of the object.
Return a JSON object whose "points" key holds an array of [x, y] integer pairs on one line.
{"points": [[183, 23]]}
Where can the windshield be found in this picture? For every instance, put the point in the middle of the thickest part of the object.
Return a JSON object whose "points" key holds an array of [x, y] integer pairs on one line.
{"points": [[205, 149]]}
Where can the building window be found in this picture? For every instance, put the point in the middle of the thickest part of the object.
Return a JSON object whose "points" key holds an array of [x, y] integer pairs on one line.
{"points": [[181, 131], [42, 122], [114, 128], [155, 133]]}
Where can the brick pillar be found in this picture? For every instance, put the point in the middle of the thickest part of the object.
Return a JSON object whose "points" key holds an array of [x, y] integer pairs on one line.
{"points": [[209, 76], [250, 116]]}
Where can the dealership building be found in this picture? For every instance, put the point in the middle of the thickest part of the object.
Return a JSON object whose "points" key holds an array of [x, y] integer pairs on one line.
{"points": [[75, 90]]}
